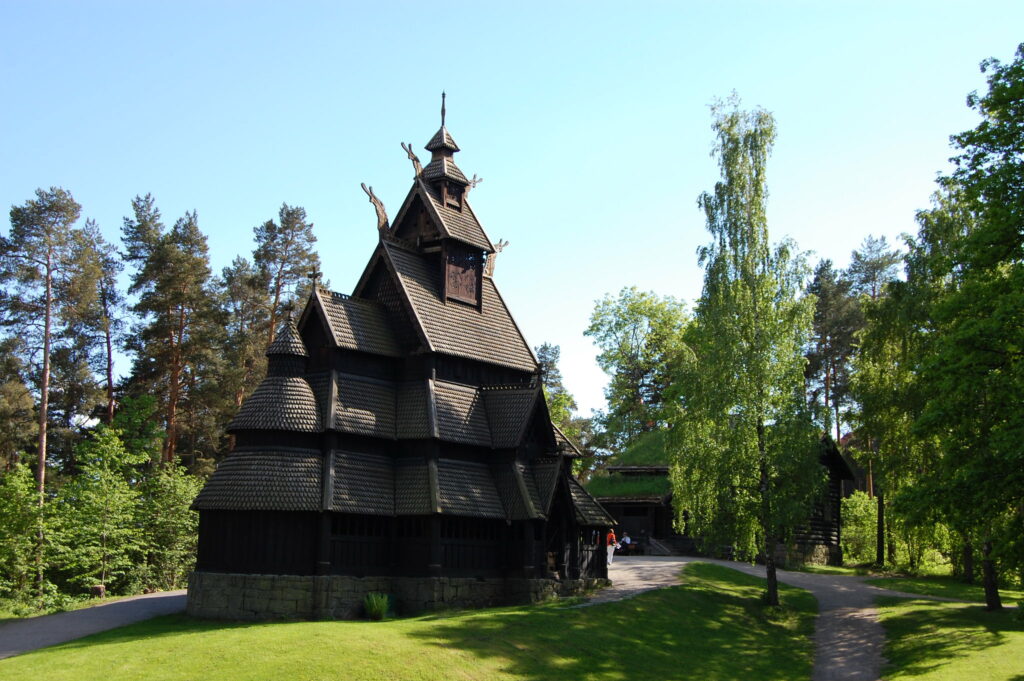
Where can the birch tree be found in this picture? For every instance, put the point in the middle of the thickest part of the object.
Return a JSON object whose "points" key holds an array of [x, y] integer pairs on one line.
{"points": [[744, 447]]}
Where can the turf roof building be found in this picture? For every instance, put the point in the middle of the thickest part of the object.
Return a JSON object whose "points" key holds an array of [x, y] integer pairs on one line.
{"points": [[400, 441], [635, 489]]}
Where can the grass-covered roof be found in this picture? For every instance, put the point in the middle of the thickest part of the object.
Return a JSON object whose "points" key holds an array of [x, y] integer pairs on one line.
{"points": [[604, 485], [648, 449]]}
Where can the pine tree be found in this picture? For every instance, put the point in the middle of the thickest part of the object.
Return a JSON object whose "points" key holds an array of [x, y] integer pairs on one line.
{"points": [[285, 254], [178, 337], [837, 319], [36, 260]]}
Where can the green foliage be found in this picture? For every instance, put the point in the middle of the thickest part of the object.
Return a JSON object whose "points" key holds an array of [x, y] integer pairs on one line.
{"points": [[19, 523], [639, 334], [169, 527], [285, 255], [376, 605], [709, 628], [180, 329], [744, 446], [837, 318], [860, 516], [94, 537], [629, 486]]}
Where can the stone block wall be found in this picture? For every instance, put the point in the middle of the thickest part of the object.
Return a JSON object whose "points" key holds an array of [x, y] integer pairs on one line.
{"points": [[259, 597]]}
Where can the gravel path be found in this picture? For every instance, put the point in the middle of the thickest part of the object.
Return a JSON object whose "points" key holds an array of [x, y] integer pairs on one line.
{"points": [[23, 635], [848, 638]]}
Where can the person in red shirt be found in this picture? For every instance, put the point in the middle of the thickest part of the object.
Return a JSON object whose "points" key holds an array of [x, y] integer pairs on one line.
{"points": [[612, 544]]}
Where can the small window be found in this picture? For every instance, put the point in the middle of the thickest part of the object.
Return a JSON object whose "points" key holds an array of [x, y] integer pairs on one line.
{"points": [[453, 195]]}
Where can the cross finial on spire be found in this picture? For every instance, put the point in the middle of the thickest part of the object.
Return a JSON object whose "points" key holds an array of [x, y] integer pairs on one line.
{"points": [[442, 107], [289, 308], [315, 275]]}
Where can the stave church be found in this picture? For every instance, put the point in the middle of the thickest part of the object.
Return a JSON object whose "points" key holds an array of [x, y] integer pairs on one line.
{"points": [[400, 442]]}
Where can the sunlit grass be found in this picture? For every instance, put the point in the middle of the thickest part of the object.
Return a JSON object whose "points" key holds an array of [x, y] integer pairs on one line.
{"points": [[948, 587], [935, 641], [711, 627]]}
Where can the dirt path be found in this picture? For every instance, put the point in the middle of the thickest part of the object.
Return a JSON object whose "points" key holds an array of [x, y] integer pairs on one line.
{"points": [[21, 636], [848, 638]]}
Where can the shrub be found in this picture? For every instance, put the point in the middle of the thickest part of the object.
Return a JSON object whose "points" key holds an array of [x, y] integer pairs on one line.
{"points": [[859, 527], [376, 605]]}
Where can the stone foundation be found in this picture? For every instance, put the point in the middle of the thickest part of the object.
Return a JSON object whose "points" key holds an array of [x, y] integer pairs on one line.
{"points": [[807, 554], [259, 597]]}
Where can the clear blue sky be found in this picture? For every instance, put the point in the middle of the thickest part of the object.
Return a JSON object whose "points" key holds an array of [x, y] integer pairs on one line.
{"points": [[587, 120]]}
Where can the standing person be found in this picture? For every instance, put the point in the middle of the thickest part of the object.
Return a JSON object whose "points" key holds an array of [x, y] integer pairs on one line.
{"points": [[612, 544]]}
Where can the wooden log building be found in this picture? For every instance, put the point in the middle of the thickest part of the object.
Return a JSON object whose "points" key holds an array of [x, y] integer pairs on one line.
{"points": [[400, 441], [634, 488]]}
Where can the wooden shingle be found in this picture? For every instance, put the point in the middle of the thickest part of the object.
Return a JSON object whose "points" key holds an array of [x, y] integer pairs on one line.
{"points": [[279, 403], [364, 406], [461, 414], [264, 479], [467, 489], [358, 324], [487, 335], [363, 483]]}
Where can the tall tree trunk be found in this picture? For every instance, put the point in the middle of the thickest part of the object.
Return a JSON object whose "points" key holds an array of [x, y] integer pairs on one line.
{"points": [[880, 532], [278, 283], [772, 594], [174, 392], [108, 339], [988, 572], [968, 576], [44, 405]]}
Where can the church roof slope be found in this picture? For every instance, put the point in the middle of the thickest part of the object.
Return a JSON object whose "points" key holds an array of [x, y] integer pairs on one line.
{"points": [[264, 479], [358, 324], [487, 335], [588, 511], [457, 224], [279, 403]]}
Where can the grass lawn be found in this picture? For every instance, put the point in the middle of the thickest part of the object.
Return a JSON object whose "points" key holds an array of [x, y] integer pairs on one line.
{"points": [[933, 641], [711, 627], [11, 611], [833, 569], [948, 587]]}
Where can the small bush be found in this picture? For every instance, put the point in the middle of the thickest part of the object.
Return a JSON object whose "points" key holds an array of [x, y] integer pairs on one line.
{"points": [[859, 516], [376, 605]]}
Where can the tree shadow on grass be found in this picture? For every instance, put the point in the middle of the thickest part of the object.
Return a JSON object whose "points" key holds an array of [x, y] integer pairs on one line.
{"points": [[695, 631], [924, 635]]}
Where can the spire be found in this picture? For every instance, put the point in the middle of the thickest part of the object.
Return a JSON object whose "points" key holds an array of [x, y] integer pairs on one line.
{"points": [[288, 341], [442, 147]]}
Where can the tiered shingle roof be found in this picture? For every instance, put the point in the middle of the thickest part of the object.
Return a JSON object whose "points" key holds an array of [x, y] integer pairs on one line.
{"points": [[478, 451], [487, 335], [264, 479]]}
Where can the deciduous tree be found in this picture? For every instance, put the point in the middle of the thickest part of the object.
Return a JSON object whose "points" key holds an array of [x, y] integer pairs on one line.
{"points": [[744, 446], [638, 333]]}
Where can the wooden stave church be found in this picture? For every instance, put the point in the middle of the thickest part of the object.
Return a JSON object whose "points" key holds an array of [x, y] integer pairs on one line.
{"points": [[402, 431]]}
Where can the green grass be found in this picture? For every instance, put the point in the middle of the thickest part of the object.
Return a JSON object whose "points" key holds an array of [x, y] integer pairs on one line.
{"points": [[948, 587], [712, 627], [933, 641], [629, 486], [11, 610], [833, 569], [647, 450]]}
